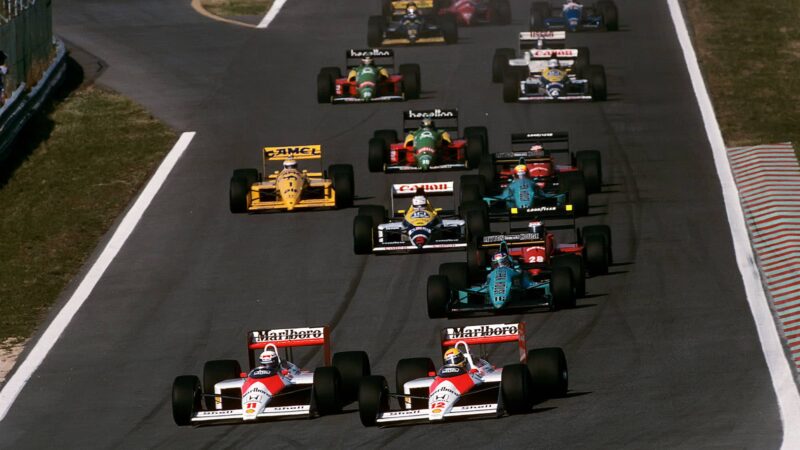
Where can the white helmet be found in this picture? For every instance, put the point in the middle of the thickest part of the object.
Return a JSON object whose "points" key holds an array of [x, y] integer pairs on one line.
{"points": [[419, 201], [367, 60], [290, 164], [269, 359], [553, 63]]}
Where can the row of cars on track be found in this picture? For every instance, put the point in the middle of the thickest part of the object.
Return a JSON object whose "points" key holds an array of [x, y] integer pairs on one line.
{"points": [[513, 218]]}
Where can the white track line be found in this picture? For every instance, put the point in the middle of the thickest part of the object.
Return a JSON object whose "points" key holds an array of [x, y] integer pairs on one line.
{"points": [[53, 332], [271, 14], [779, 369]]}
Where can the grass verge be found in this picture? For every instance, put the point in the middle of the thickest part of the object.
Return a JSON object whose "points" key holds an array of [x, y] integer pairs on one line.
{"points": [[750, 56], [96, 149], [227, 8]]}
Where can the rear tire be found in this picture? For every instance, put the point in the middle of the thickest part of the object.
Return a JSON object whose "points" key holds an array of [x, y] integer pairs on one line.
{"points": [[377, 154], [582, 61], [610, 17], [475, 151], [471, 193], [409, 369], [375, 31], [438, 296], [500, 63], [487, 172], [327, 390], [602, 230], [373, 399], [511, 89], [186, 399], [539, 12], [476, 262], [480, 132], [561, 288], [594, 249], [576, 267], [352, 367], [325, 88], [515, 389], [573, 184], [597, 82], [411, 80], [449, 29], [343, 184], [549, 374], [589, 163]]}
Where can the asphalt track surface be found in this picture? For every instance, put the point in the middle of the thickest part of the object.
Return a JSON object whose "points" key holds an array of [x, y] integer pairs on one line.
{"points": [[663, 353]]}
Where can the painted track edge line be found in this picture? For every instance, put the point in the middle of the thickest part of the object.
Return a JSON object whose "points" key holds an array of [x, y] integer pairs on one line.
{"points": [[781, 374], [13, 387], [271, 14]]}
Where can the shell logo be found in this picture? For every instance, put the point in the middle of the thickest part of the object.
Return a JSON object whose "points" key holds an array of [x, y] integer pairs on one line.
{"points": [[436, 411], [250, 411]]}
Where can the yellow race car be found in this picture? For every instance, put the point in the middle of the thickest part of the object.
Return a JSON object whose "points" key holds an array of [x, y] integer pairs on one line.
{"points": [[290, 188]]}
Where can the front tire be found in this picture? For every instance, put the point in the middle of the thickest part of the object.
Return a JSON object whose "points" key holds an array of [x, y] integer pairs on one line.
{"points": [[411, 80], [515, 389], [500, 63], [511, 88], [549, 374], [449, 29], [589, 164], [373, 399], [576, 267], [343, 184]]}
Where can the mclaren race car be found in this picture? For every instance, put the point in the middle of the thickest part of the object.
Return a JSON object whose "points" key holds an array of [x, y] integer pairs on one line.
{"points": [[273, 387], [467, 385], [421, 227], [574, 16], [289, 188], [371, 77]]}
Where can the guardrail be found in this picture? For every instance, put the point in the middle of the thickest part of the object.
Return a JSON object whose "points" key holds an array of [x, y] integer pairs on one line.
{"points": [[23, 104]]}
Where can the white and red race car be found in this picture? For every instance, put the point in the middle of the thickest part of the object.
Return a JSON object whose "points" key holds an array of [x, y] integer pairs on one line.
{"points": [[477, 389], [282, 389]]}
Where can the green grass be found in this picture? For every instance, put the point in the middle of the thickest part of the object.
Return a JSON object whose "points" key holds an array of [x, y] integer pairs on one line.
{"points": [[237, 7], [750, 56], [99, 151]]}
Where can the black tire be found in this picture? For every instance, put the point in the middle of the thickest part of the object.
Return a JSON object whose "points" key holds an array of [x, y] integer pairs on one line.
{"points": [[377, 155], [602, 230], [411, 80], [473, 180], [582, 61], [597, 82], [373, 399], [589, 163], [471, 194], [487, 172], [375, 31], [376, 212], [449, 29], [573, 184], [186, 399], [238, 191], [480, 132], [549, 374], [327, 389], [610, 17], [457, 274], [561, 288], [388, 136], [511, 89], [216, 371], [594, 250], [363, 235], [343, 184], [325, 88], [576, 267], [477, 225], [475, 151], [502, 10], [438, 295], [476, 263], [386, 8], [466, 208], [409, 369], [516, 389], [500, 63], [352, 367]]}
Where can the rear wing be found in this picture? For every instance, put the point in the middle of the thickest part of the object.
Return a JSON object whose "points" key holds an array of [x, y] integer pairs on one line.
{"points": [[487, 334], [549, 39], [551, 142], [429, 189], [512, 240], [288, 338], [399, 6], [272, 154], [383, 57], [558, 53], [445, 119]]}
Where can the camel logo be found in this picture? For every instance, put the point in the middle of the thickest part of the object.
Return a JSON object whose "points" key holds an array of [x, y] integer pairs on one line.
{"points": [[293, 152]]}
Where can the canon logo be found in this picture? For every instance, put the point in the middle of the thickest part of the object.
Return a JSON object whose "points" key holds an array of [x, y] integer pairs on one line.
{"points": [[483, 331], [427, 187]]}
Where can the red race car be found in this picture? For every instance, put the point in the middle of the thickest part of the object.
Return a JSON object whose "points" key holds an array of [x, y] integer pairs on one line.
{"points": [[371, 77], [471, 12]]}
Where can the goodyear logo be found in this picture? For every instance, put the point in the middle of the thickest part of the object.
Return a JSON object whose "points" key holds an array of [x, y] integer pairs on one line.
{"points": [[294, 152]]}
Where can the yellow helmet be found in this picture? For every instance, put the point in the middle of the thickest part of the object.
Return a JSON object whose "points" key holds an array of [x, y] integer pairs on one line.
{"points": [[454, 357], [521, 170]]}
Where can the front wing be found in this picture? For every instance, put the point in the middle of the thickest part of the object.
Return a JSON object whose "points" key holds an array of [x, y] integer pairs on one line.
{"points": [[416, 415], [235, 415], [385, 98]]}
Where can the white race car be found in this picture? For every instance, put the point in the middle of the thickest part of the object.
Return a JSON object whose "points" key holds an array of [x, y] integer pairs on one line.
{"points": [[477, 388], [274, 389]]}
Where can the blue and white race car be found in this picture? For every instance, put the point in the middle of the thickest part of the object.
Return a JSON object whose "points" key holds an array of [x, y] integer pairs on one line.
{"points": [[574, 16]]}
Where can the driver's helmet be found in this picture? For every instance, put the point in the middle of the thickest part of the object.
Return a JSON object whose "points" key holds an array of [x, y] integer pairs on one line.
{"points": [[536, 227], [521, 171], [367, 60], [427, 122], [269, 359], [289, 164], [501, 259], [537, 149], [553, 63], [454, 357], [419, 202], [411, 10]]}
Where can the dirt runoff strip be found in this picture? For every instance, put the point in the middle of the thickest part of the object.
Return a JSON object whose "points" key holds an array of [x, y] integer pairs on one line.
{"points": [[235, 8]]}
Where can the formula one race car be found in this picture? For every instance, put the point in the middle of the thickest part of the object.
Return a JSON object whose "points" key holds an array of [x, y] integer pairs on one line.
{"points": [[548, 75], [410, 27], [506, 286], [421, 227], [274, 387], [371, 78], [472, 12], [573, 16], [291, 188], [467, 385], [505, 59], [428, 145]]}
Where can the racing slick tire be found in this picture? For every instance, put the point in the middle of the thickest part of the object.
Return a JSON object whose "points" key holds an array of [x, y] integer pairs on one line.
{"points": [[582, 61], [363, 235], [353, 366], [476, 262], [471, 193], [561, 288], [594, 248], [574, 185], [376, 212], [343, 184], [373, 399], [409, 369], [388, 136], [575, 265], [477, 225], [475, 151], [502, 12], [500, 63], [602, 230], [539, 12], [324, 88], [597, 82], [511, 90], [467, 207], [549, 374], [449, 28], [186, 399], [457, 274], [377, 154], [516, 390], [487, 172], [375, 27], [480, 132], [589, 163], [239, 188], [327, 390], [438, 295], [412, 83], [213, 373], [608, 9]]}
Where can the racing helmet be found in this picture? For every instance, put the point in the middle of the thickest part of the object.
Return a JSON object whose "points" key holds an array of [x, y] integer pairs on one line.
{"points": [[454, 357], [367, 60], [289, 164], [411, 9], [521, 170], [553, 63], [419, 202], [269, 359], [501, 259], [427, 122]]}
